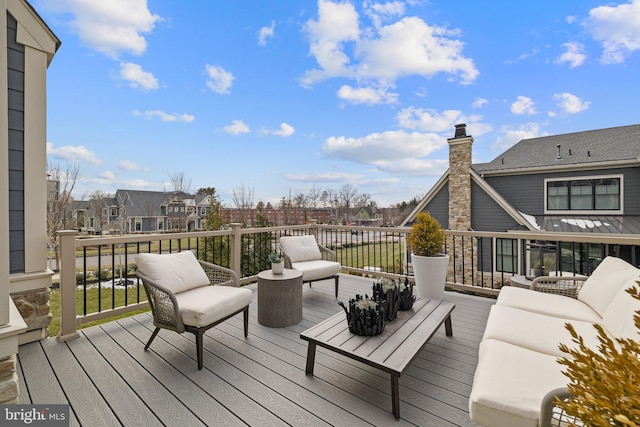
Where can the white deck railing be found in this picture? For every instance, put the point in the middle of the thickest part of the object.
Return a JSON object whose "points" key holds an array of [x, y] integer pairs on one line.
{"points": [[368, 251]]}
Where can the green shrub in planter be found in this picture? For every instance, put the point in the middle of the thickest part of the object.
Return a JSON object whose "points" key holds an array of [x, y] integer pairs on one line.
{"points": [[426, 237]]}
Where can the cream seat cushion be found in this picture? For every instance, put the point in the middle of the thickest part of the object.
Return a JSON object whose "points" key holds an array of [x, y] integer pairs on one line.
{"points": [[318, 269], [618, 319], [206, 305], [548, 304], [605, 282], [509, 384], [536, 332], [178, 272], [301, 248]]}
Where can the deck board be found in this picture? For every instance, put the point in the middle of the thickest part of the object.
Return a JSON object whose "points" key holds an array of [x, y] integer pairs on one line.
{"points": [[107, 377]]}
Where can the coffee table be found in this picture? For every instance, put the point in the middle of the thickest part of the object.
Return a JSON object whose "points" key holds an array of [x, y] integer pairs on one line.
{"points": [[393, 350]]}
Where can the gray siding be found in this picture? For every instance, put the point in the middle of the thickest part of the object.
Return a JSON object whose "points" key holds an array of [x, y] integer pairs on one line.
{"points": [[487, 215], [15, 74], [438, 207], [526, 192]]}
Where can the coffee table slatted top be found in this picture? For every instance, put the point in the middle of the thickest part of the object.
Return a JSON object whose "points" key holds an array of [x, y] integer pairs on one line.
{"points": [[395, 348]]}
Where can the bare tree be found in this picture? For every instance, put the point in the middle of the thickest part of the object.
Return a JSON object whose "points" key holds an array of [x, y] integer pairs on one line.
{"points": [[61, 182], [314, 196], [243, 201], [347, 194], [177, 200], [99, 205]]}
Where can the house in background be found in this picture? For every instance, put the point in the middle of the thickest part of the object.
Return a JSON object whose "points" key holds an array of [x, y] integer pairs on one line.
{"points": [[583, 182], [27, 47], [369, 216]]}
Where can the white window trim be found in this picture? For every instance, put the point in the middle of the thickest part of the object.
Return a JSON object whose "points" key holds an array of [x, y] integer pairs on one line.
{"points": [[587, 212]]}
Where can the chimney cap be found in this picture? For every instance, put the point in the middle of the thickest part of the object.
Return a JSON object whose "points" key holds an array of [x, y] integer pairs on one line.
{"points": [[461, 130]]}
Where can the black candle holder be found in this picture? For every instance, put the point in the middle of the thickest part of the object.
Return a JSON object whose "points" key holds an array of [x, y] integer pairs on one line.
{"points": [[365, 316]]}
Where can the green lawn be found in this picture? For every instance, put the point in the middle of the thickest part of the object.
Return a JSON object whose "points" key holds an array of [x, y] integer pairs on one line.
{"points": [[92, 305], [389, 257]]}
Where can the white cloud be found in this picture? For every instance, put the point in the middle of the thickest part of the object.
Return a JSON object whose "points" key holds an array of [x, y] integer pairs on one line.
{"points": [[165, 117], [574, 55], [380, 55], [337, 23], [570, 103], [367, 95], [110, 27], [381, 12], [479, 103], [237, 127], [616, 27], [108, 175], [511, 136], [219, 80], [127, 165], [285, 131], [379, 148], [266, 33], [71, 153], [137, 77], [325, 177], [427, 120], [570, 19], [523, 105]]}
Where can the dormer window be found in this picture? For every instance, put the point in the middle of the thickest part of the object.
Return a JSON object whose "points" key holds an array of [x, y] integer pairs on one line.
{"points": [[584, 195]]}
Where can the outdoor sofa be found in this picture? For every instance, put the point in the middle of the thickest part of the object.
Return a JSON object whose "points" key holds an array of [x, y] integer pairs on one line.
{"points": [[519, 352]]}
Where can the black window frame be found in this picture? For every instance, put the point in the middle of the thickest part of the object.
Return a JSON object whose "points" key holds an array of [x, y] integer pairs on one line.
{"points": [[593, 183]]}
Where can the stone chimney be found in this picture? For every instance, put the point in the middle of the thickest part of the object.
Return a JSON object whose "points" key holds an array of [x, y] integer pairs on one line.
{"points": [[459, 179], [460, 249]]}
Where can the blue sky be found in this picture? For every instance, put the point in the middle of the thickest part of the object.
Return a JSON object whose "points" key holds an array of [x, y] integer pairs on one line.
{"points": [[282, 96]]}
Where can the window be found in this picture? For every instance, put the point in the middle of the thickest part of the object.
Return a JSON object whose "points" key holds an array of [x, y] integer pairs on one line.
{"points": [[138, 224], [507, 255], [593, 194]]}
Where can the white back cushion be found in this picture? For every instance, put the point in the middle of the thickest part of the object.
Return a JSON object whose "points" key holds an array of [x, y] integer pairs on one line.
{"points": [[605, 282], [177, 272], [301, 248], [618, 319]]}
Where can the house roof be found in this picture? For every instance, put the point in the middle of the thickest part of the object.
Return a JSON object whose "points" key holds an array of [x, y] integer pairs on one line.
{"points": [[142, 203], [612, 145], [590, 224]]}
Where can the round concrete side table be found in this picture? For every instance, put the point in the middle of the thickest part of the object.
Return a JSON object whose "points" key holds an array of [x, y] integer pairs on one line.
{"points": [[279, 298]]}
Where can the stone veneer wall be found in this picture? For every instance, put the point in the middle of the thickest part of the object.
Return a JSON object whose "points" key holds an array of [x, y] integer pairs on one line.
{"points": [[8, 380], [460, 250], [34, 308]]}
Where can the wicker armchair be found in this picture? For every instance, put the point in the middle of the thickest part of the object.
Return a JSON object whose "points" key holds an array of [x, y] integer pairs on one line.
{"points": [[568, 286], [316, 262], [190, 295]]}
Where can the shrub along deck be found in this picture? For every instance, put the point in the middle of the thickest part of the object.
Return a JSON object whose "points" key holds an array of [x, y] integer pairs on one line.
{"points": [[108, 379]]}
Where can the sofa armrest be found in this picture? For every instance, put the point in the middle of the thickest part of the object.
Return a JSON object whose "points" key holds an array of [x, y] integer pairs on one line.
{"points": [[551, 415], [562, 285]]}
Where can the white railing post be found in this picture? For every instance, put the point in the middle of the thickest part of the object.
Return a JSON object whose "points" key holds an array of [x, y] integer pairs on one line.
{"points": [[67, 269], [313, 226], [236, 248]]}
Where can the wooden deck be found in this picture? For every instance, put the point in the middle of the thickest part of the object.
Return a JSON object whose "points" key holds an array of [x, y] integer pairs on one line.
{"points": [[109, 380]]}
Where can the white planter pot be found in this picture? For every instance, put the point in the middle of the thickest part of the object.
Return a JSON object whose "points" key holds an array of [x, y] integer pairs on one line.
{"points": [[430, 274], [277, 267]]}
